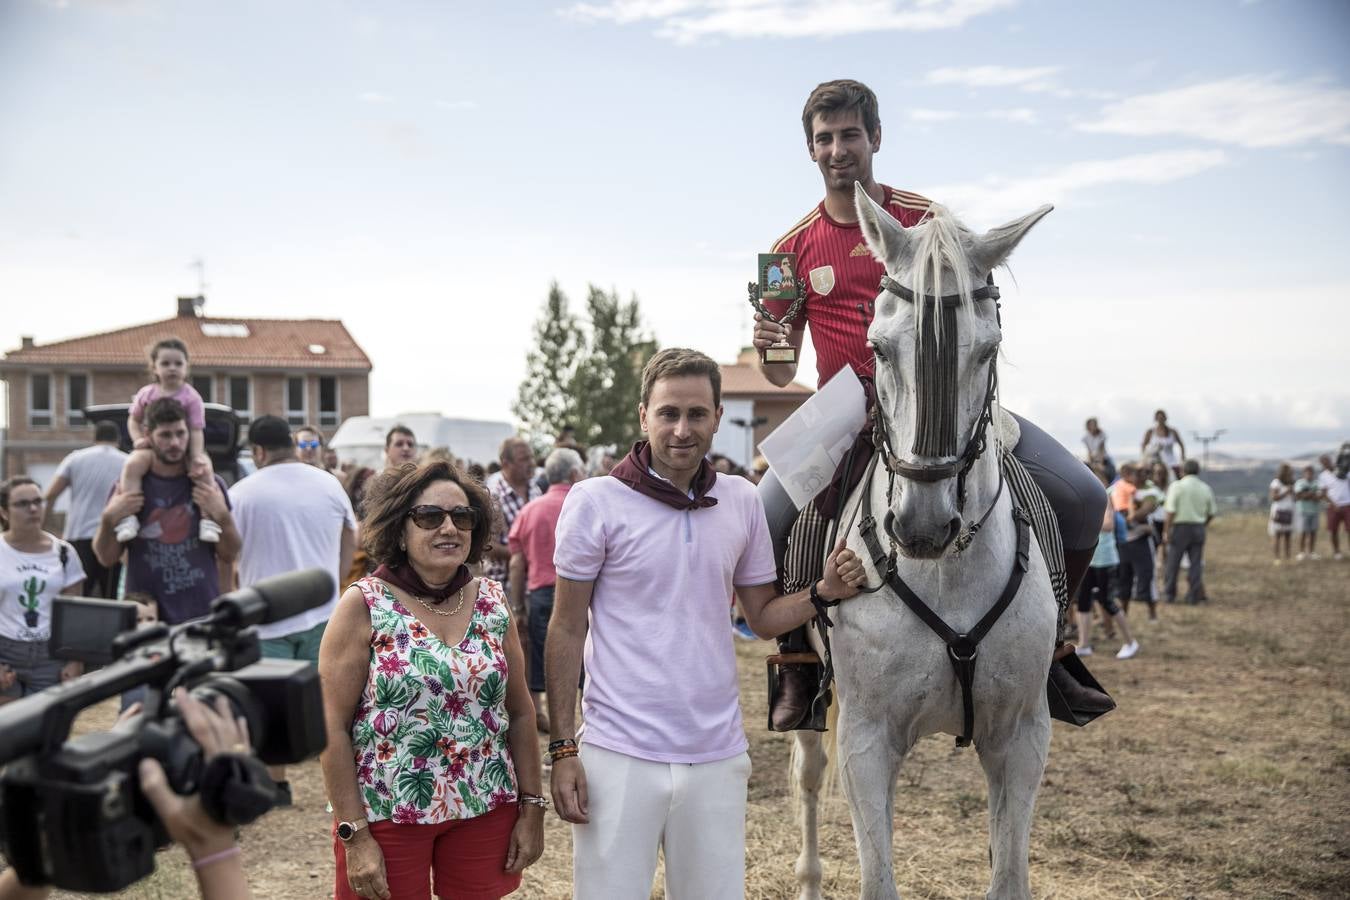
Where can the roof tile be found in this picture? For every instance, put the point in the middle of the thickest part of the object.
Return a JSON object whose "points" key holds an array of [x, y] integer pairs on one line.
{"points": [[271, 343]]}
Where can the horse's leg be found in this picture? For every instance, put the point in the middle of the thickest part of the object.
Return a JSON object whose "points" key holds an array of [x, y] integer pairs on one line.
{"points": [[1013, 758], [869, 765], [808, 769]]}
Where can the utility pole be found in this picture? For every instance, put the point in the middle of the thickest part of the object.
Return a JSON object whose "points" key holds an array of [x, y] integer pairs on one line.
{"points": [[1205, 440]]}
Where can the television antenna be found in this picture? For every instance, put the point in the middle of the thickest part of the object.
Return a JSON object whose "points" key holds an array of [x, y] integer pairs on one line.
{"points": [[200, 265]]}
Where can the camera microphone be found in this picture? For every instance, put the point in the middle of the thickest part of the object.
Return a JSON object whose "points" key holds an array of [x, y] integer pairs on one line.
{"points": [[274, 599]]}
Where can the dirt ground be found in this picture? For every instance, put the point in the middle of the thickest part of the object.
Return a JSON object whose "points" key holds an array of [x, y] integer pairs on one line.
{"points": [[1224, 773]]}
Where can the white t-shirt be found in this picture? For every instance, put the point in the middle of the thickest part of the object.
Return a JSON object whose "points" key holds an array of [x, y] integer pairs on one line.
{"points": [[661, 682], [290, 517], [92, 472], [28, 584], [1285, 492], [1338, 489]]}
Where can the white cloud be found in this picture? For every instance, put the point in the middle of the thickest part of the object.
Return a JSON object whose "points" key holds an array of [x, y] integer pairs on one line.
{"points": [[689, 21], [1033, 78], [1021, 115], [1248, 110], [932, 115], [372, 97], [457, 104], [998, 198]]}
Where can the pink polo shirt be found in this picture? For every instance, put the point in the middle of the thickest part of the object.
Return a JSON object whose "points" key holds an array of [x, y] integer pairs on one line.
{"points": [[532, 535], [661, 681]]}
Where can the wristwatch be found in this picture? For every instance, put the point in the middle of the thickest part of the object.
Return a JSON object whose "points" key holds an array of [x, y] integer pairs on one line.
{"points": [[347, 830]]}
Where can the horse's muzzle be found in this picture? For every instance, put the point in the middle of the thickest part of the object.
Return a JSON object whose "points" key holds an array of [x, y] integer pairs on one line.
{"points": [[921, 546]]}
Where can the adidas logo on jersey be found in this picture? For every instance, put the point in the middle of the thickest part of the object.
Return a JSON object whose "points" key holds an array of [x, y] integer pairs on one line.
{"points": [[860, 250]]}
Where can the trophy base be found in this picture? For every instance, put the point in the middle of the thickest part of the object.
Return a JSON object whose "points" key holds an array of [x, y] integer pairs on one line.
{"points": [[775, 354]]}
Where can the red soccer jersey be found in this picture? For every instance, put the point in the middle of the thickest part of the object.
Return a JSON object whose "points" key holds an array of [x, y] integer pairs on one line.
{"points": [[842, 281]]}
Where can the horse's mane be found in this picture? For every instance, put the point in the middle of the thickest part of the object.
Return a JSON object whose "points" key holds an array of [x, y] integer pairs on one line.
{"points": [[940, 243]]}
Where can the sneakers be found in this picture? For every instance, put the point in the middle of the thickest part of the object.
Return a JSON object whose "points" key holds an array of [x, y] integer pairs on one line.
{"points": [[742, 631], [1314, 557], [284, 797], [1128, 650], [127, 529], [1301, 556], [1083, 651], [208, 532]]}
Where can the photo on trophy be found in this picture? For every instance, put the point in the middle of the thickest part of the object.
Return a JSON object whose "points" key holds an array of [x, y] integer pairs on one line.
{"points": [[778, 276]]}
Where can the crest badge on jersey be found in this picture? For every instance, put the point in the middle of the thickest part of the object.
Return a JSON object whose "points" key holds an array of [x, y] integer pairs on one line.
{"points": [[822, 279]]}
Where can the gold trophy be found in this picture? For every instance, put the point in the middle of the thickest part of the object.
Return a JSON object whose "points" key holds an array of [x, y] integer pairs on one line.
{"points": [[778, 281]]}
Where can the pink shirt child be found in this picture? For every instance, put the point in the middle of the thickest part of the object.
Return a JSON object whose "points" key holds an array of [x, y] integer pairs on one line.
{"points": [[532, 535], [661, 682], [186, 395]]}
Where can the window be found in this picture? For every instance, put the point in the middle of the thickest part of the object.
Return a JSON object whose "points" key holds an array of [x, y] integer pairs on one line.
{"points": [[77, 398], [295, 399], [328, 400], [204, 385], [239, 390], [40, 399], [225, 329]]}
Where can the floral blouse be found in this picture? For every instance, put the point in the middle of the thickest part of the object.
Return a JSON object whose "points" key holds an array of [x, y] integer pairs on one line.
{"points": [[430, 731]]}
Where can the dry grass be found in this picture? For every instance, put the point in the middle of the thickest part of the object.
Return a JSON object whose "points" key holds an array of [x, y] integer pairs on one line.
{"points": [[1226, 771]]}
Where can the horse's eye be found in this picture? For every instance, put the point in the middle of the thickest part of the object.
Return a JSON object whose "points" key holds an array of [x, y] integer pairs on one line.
{"points": [[879, 353]]}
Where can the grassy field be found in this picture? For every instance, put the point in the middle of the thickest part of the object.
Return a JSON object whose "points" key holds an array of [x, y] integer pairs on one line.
{"points": [[1225, 772]]}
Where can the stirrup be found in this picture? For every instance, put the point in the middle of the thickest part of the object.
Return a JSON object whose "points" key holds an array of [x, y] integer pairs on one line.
{"points": [[818, 703], [1059, 706]]}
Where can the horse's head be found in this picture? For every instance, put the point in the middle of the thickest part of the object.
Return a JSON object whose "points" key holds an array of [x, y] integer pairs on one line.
{"points": [[936, 335]]}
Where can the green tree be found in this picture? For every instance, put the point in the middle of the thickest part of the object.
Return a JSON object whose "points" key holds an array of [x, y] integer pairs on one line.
{"points": [[544, 402], [608, 379]]}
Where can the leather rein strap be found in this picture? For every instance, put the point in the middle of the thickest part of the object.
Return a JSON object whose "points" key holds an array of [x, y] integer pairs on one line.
{"points": [[962, 649]]}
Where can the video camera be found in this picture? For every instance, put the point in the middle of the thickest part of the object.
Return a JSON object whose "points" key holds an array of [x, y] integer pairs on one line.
{"points": [[1343, 461], [71, 811]]}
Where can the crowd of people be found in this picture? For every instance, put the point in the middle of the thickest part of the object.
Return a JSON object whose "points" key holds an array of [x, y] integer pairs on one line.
{"points": [[1297, 505], [472, 602]]}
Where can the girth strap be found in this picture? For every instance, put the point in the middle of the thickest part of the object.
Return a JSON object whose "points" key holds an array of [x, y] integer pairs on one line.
{"points": [[962, 649]]}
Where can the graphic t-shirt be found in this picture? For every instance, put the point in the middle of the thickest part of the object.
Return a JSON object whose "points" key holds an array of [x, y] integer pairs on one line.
{"points": [[166, 560], [28, 584]]}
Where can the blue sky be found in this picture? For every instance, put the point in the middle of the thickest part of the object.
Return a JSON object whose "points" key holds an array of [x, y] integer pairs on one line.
{"points": [[424, 170]]}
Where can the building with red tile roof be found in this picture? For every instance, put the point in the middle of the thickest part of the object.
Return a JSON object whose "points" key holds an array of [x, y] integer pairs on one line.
{"points": [[747, 397], [305, 370]]}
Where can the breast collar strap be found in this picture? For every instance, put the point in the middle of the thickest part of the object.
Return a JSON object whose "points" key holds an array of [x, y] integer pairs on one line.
{"points": [[962, 649]]}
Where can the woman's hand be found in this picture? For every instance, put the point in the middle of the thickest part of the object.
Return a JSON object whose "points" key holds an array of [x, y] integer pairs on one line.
{"points": [[72, 669], [365, 866], [218, 731], [527, 838]]}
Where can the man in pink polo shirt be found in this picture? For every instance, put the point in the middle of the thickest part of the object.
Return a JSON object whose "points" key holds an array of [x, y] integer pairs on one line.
{"points": [[532, 574], [648, 556]]}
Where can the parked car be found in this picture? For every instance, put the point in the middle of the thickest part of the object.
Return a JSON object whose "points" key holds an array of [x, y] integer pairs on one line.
{"points": [[222, 434]]}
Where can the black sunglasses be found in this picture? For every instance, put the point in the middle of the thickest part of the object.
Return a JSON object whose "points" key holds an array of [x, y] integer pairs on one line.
{"points": [[465, 518]]}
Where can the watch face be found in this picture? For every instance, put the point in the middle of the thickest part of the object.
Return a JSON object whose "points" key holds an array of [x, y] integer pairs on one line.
{"points": [[345, 831]]}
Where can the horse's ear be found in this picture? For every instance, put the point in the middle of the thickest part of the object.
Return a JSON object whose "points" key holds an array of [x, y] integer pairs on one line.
{"points": [[996, 244], [885, 236]]}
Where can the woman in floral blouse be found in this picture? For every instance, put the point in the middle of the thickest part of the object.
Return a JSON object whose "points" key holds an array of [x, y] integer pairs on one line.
{"points": [[432, 765]]}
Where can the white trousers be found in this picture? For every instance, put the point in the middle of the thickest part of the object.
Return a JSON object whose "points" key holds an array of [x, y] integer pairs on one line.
{"points": [[694, 812]]}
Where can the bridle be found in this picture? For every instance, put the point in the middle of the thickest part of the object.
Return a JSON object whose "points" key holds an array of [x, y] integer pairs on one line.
{"points": [[962, 648], [975, 442]]}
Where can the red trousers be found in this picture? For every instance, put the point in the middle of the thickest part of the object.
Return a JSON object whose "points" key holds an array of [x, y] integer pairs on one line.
{"points": [[466, 856]]}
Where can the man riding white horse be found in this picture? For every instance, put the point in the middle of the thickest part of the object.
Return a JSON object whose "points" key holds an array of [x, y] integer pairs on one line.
{"points": [[836, 267]]}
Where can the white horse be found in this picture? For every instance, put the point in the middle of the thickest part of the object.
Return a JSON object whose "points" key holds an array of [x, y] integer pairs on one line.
{"points": [[895, 681]]}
